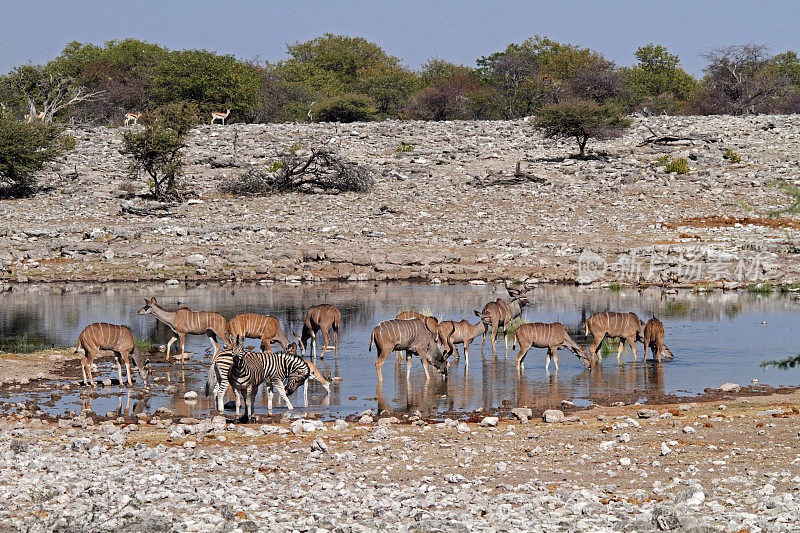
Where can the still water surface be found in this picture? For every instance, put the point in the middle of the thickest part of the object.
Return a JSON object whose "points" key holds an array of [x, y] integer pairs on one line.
{"points": [[716, 338]]}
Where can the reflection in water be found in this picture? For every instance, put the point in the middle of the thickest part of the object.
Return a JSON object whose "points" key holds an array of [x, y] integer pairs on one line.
{"points": [[716, 337]]}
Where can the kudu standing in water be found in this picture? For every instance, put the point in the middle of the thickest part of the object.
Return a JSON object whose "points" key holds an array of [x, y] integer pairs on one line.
{"points": [[654, 339], [551, 336], [499, 313], [253, 326], [450, 333], [118, 339], [626, 326], [409, 335], [431, 323], [185, 321], [323, 318]]}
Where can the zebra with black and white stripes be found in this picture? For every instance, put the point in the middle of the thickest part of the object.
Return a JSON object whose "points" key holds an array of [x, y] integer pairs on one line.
{"points": [[280, 371]]}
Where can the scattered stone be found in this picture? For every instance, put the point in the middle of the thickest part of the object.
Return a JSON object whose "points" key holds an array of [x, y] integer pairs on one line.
{"points": [[665, 450], [729, 387], [553, 415], [319, 445], [490, 421], [523, 414], [648, 413]]}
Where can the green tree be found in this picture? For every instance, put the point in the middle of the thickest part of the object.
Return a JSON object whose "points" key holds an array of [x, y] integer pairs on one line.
{"points": [[210, 80], [658, 73], [535, 72], [582, 120], [337, 65], [25, 148], [156, 149], [787, 65]]}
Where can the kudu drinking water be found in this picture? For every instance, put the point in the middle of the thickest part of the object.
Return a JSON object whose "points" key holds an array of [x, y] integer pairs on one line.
{"points": [[118, 339], [184, 321], [654, 339], [253, 326], [499, 313], [450, 333], [551, 336], [626, 326], [409, 335], [323, 318], [431, 323]]}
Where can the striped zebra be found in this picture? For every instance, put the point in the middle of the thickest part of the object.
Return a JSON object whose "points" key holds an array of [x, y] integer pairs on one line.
{"points": [[245, 370]]}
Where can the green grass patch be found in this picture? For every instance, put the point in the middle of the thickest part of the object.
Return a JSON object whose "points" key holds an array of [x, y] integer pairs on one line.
{"points": [[732, 156], [790, 287], [610, 345], [23, 344], [760, 288], [404, 148], [679, 166], [615, 286], [144, 345], [511, 327]]}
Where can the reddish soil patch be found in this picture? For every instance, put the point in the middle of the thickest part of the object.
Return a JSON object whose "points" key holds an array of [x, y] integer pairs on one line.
{"points": [[726, 222]]}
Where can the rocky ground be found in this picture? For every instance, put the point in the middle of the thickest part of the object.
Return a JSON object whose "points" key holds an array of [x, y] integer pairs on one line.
{"points": [[731, 465], [448, 207]]}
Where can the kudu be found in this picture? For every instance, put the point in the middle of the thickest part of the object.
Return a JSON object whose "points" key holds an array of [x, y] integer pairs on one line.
{"points": [[323, 318], [450, 333], [431, 323], [409, 335], [185, 321], [253, 326], [499, 313], [118, 339], [551, 336], [654, 339], [626, 326]]}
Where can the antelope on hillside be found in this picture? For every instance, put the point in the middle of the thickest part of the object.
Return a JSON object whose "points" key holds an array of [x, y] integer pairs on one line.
{"points": [[118, 339], [218, 115], [654, 339], [499, 313], [551, 336], [450, 333], [411, 336], [132, 117], [431, 324], [253, 326], [185, 321], [323, 318], [626, 326]]}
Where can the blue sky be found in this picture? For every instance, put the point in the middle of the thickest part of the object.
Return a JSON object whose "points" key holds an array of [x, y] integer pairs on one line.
{"points": [[412, 30]]}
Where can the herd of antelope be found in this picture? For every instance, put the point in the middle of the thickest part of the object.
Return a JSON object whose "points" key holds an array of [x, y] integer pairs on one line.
{"points": [[410, 332]]}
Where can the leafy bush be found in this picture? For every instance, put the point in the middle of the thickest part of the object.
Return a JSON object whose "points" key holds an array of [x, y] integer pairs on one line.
{"points": [[24, 150], [662, 160], [679, 166], [581, 119], [157, 148], [67, 142], [732, 156], [346, 108]]}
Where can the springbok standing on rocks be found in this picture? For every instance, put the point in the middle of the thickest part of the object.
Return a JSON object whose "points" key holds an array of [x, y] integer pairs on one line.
{"points": [[132, 117], [118, 339], [409, 335], [431, 324], [450, 333], [253, 326], [654, 339], [551, 336], [218, 115], [499, 313], [323, 318], [626, 326], [184, 321]]}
